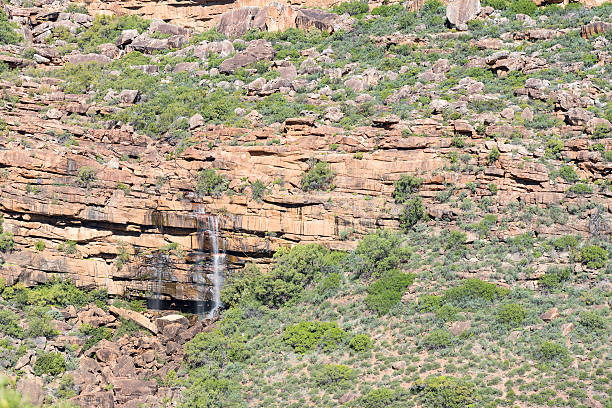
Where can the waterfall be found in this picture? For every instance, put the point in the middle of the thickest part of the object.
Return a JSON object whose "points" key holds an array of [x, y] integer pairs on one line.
{"points": [[208, 229]]}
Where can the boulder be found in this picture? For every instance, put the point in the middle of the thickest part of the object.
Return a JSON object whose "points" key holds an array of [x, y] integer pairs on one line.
{"points": [[128, 389], [550, 315], [88, 59], [171, 319], [459, 12], [100, 399], [126, 37], [158, 26], [129, 96], [134, 316], [578, 116], [32, 389], [258, 50]]}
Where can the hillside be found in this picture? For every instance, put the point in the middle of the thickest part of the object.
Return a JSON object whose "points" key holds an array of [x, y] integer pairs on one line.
{"points": [[354, 205]]}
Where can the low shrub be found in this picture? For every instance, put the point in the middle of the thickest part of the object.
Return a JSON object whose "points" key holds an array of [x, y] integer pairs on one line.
{"points": [[405, 187], [94, 335], [474, 290], [211, 183], [308, 335], [318, 177], [377, 253], [511, 315], [593, 256], [429, 303], [380, 398], [437, 339], [549, 351], [413, 212], [49, 363], [207, 388], [60, 293], [9, 398], [9, 324], [446, 392], [387, 291], [593, 320], [352, 8], [332, 374], [8, 33], [554, 277], [86, 176], [215, 349], [360, 342]]}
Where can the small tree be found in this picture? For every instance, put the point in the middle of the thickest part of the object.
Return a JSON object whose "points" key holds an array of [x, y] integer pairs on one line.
{"points": [[318, 177], [211, 184], [86, 176]]}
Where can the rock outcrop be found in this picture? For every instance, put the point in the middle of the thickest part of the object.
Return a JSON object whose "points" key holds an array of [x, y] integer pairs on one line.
{"points": [[459, 12]]}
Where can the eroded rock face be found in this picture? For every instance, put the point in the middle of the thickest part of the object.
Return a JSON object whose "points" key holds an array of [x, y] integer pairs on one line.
{"points": [[258, 50]]}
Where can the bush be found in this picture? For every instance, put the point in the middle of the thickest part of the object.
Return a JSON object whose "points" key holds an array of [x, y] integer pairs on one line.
{"points": [[95, 335], [258, 190], [318, 177], [330, 284], [332, 374], [8, 35], [211, 184], [413, 212], [59, 293], [511, 315], [207, 389], [429, 303], [86, 176], [49, 363], [106, 29], [581, 189], [493, 155], [214, 349], [549, 351], [565, 242], [239, 286], [387, 291], [593, 256], [593, 320], [306, 336], [360, 342], [380, 398], [40, 245], [554, 277], [68, 247], [437, 339], [377, 253], [39, 323], [568, 174], [9, 324], [405, 187], [446, 392], [352, 8], [474, 290]]}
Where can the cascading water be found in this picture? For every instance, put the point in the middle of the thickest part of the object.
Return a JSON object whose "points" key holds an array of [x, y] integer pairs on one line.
{"points": [[208, 228]]}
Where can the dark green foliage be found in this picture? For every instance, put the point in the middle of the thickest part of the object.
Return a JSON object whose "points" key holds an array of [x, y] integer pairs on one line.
{"points": [[352, 8], [7, 242], [387, 291], [8, 35], [554, 277], [49, 363], [211, 183], [39, 323], [593, 320], [429, 303], [549, 351], [446, 392], [593, 256], [68, 247], [59, 293], [318, 177], [581, 189], [565, 242], [215, 349], [405, 187], [568, 174], [240, 286], [306, 336], [413, 212], [360, 342], [208, 390], [86, 176], [513, 6], [94, 335], [258, 190], [330, 284], [511, 315], [380, 398], [474, 290], [493, 155], [332, 374], [9, 324], [378, 252], [437, 339]]}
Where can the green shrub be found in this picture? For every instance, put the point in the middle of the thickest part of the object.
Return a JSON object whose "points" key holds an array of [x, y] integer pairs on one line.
{"points": [[511, 315], [360, 342], [106, 29], [95, 335], [59, 293], [581, 189], [215, 349], [493, 155], [8, 35], [7, 243], [405, 187], [446, 392], [429, 303], [378, 252], [68, 247], [352, 8], [86, 176], [208, 389], [446, 313], [473, 290], [380, 398], [39, 323], [49, 363], [211, 184], [523, 7], [332, 374], [40, 245], [593, 320], [258, 190], [239, 285], [330, 284], [306, 336], [413, 212], [593, 256], [387, 291], [437, 339], [549, 351], [565, 242], [318, 177], [9, 324], [554, 277], [568, 174]]}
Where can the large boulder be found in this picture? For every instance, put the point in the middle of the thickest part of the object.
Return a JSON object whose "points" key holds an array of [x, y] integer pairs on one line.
{"points": [[459, 12], [257, 50]]}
